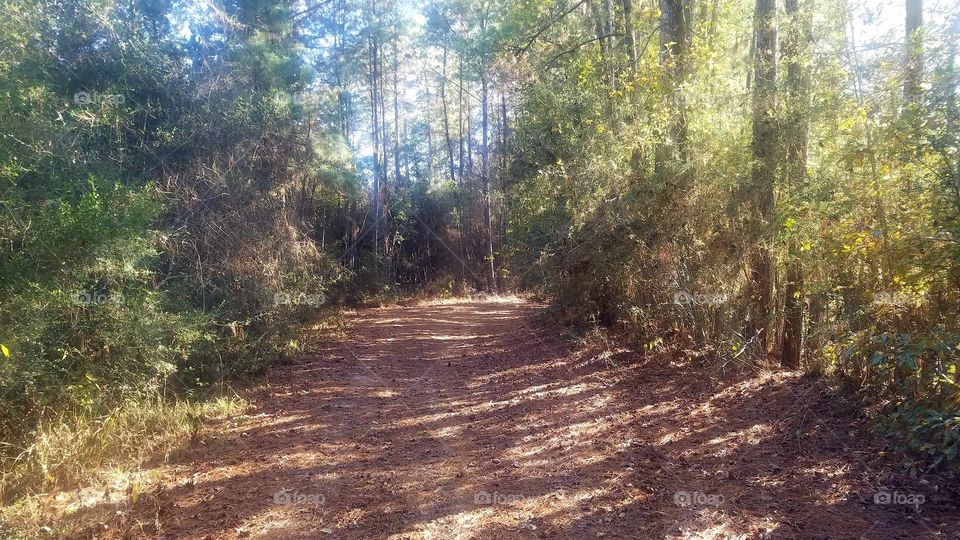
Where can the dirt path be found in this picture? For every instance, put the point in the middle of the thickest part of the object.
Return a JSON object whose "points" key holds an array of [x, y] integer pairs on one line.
{"points": [[463, 421]]}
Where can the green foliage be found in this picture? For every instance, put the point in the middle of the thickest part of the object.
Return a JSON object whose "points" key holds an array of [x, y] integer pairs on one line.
{"points": [[622, 233], [151, 210], [926, 433], [181, 187], [80, 316]]}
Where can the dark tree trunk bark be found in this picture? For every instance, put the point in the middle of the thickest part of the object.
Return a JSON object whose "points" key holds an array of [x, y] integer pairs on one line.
{"points": [[504, 149], [630, 33], [764, 149], [460, 206], [671, 161], [469, 137], [797, 98], [485, 173]]}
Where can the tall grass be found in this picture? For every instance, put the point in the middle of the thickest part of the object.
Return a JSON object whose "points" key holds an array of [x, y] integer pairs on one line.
{"points": [[67, 451]]}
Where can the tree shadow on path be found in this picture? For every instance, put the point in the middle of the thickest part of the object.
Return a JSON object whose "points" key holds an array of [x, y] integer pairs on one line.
{"points": [[460, 420]]}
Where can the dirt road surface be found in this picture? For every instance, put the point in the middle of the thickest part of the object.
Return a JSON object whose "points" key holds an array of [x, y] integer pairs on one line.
{"points": [[467, 420]]}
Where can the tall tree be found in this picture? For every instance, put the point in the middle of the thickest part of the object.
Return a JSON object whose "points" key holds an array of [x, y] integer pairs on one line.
{"points": [[797, 98], [629, 32], [601, 25], [913, 61], [764, 149], [485, 61], [385, 150], [375, 137], [675, 38], [460, 107], [446, 116], [485, 173], [952, 116], [396, 112]]}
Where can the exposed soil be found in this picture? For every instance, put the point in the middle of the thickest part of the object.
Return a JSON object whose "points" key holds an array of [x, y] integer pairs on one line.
{"points": [[463, 420]]}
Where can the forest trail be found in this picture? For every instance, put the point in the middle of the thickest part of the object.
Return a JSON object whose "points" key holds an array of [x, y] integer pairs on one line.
{"points": [[464, 420]]}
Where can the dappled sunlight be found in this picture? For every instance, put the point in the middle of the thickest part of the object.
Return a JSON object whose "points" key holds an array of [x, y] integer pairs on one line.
{"points": [[448, 338], [400, 432], [488, 301], [751, 435]]}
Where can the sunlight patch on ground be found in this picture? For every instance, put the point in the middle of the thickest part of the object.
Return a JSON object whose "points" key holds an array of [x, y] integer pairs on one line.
{"points": [[518, 373], [515, 511], [447, 432], [571, 436], [115, 488], [319, 454], [455, 526], [751, 435], [496, 299], [417, 421], [265, 421], [557, 390], [461, 337], [726, 529], [657, 409], [274, 521]]}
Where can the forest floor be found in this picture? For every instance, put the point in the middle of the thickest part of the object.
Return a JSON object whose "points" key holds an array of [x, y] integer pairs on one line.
{"points": [[467, 420]]}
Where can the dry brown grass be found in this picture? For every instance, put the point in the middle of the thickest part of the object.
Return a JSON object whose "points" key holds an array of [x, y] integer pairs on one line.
{"points": [[97, 458]]}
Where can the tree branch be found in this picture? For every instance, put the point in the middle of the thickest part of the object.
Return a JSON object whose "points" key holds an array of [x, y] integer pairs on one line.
{"points": [[577, 47], [522, 50]]}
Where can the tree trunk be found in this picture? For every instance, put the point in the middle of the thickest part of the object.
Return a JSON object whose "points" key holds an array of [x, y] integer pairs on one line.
{"points": [[384, 149], [795, 51], [630, 33], [764, 149], [446, 120], [504, 132], [396, 114], [602, 35], [913, 64], [460, 208], [429, 129], [953, 114], [485, 173], [406, 155], [670, 160], [375, 139], [460, 162], [469, 137], [338, 38]]}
